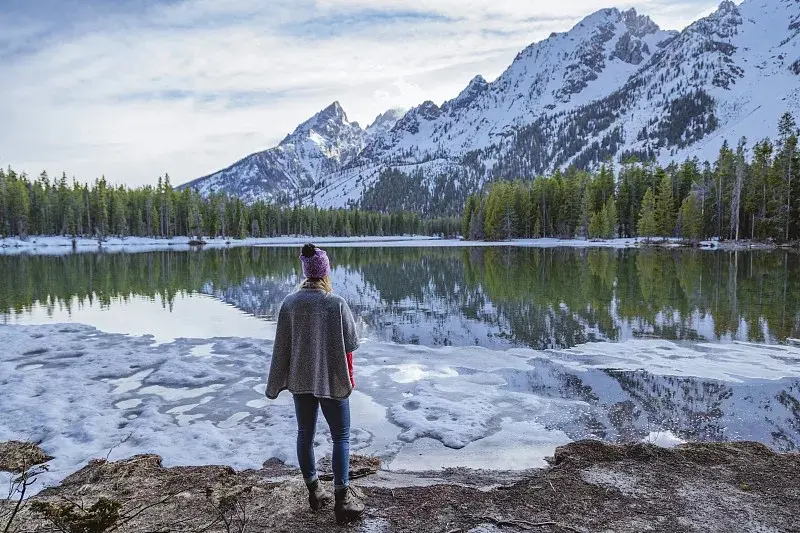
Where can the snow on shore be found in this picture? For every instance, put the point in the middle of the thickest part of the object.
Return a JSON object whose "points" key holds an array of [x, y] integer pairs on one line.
{"points": [[82, 392], [56, 245], [64, 245], [49, 245]]}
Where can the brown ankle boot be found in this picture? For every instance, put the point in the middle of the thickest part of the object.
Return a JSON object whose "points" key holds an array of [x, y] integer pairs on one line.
{"points": [[348, 506], [318, 496]]}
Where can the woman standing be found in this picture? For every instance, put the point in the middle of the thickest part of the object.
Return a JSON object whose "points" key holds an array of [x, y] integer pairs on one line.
{"points": [[312, 358]]}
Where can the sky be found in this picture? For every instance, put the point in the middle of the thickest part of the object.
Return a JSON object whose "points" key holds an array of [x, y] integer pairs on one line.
{"points": [[134, 89]]}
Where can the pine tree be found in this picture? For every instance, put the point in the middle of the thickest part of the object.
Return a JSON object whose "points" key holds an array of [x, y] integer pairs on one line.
{"points": [[740, 164], [568, 187], [691, 219], [5, 228], [477, 225], [469, 210], [602, 188], [609, 216], [195, 216], [119, 211], [18, 207], [522, 209], [168, 207], [99, 208], [596, 225], [585, 223], [624, 201], [500, 216], [241, 233], [647, 225], [724, 175], [756, 195], [665, 207], [787, 159]]}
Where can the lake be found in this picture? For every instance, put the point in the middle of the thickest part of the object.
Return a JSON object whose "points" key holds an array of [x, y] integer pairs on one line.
{"points": [[484, 357]]}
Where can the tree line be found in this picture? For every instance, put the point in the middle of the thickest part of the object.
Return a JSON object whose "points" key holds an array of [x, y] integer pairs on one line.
{"points": [[46, 206], [751, 193]]}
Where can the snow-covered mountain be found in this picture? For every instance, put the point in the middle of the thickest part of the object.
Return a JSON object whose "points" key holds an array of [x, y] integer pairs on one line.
{"points": [[318, 147], [614, 85]]}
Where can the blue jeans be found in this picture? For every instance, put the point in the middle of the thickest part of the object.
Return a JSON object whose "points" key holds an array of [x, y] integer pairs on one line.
{"points": [[337, 414]]}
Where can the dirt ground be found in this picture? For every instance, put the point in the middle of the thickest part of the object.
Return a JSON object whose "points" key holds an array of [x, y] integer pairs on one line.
{"points": [[589, 487]]}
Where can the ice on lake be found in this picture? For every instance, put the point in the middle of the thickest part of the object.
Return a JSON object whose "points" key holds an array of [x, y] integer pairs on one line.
{"points": [[82, 392]]}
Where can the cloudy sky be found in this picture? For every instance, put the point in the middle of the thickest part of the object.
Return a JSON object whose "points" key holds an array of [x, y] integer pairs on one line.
{"points": [[135, 88]]}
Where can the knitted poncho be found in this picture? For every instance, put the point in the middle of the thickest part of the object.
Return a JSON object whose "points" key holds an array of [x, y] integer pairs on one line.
{"points": [[315, 332]]}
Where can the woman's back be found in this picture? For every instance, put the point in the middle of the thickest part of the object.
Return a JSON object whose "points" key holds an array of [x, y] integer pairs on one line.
{"points": [[315, 332]]}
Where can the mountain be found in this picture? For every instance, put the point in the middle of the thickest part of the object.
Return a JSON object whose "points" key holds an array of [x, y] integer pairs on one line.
{"points": [[383, 124], [615, 85], [320, 146]]}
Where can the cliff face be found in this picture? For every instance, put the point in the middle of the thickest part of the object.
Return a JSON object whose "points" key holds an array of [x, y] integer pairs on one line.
{"points": [[730, 488]]}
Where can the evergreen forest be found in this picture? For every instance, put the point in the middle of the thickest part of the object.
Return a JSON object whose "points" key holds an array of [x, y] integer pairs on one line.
{"points": [[57, 207], [747, 193]]}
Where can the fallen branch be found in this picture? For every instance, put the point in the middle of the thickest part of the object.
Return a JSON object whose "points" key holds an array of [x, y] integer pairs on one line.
{"points": [[117, 445], [353, 475], [20, 486], [522, 524], [16, 507]]}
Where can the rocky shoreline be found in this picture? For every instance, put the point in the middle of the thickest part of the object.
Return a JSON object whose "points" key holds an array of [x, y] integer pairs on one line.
{"points": [[589, 487]]}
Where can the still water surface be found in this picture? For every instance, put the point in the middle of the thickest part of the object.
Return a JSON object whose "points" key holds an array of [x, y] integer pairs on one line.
{"points": [[492, 297]]}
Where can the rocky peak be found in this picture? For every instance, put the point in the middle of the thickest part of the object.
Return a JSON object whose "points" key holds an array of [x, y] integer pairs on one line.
{"points": [[727, 6], [334, 111], [329, 123], [384, 122], [425, 111], [600, 17], [475, 88], [722, 24], [392, 115], [639, 25]]}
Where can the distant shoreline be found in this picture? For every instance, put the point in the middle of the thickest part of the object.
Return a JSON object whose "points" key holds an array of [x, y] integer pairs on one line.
{"points": [[59, 245]]}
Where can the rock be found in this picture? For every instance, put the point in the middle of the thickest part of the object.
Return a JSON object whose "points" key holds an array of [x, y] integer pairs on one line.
{"points": [[16, 456], [360, 466]]}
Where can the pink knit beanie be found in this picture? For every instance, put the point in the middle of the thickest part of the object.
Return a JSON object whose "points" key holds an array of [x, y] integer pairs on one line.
{"points": [[315, 262]]}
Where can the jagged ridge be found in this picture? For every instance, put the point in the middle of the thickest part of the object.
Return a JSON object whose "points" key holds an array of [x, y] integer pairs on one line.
{"points": [[615, 85]]}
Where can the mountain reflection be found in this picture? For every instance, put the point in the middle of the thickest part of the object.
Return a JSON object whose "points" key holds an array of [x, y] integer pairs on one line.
{"points": [[494, 297]]}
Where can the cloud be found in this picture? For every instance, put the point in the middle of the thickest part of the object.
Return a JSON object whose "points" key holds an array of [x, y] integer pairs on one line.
{"points": [[136, 88]]}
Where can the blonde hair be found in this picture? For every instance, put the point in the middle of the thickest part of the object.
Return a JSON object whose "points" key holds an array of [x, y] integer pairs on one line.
{"points": [[323, 284]]}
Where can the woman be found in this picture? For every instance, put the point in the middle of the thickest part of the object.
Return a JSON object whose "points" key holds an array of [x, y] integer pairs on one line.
{"points": [[312, 358]]}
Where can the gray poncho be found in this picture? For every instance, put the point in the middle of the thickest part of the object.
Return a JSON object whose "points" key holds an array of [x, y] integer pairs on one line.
{"points": [[315, 332]]}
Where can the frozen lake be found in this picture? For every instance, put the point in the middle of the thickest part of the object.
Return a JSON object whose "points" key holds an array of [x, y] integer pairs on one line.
{"points": [[486, 358]]}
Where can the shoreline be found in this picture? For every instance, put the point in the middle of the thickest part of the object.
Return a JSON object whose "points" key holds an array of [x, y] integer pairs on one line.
{"points": [[57, 245], [588, 486]]}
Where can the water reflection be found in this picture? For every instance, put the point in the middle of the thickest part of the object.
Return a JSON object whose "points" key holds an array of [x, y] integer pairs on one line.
{"points": [[493, 297], [629, 406]]}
